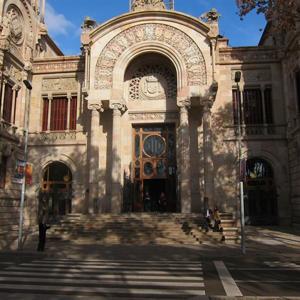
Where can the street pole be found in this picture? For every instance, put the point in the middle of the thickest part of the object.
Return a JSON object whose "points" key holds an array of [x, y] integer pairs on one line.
{"points": [[241, 182], [26, 126]]}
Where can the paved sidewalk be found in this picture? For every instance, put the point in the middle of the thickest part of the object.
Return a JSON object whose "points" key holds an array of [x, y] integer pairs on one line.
{"points": [[275, 242]]}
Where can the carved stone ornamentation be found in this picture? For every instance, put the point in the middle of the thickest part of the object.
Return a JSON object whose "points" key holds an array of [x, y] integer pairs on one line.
{"points": [[95, 106], [237, 56], [173, 37], [210, 16], [59, 84], [138, 5], [118, 107], [10, 71], [13, 26], [152, 82], [149, 116]]}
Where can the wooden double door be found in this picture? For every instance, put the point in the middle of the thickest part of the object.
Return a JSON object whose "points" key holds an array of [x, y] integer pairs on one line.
{"points": [[154, 167]]}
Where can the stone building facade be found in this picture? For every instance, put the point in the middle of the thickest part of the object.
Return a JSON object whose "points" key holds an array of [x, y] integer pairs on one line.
{"points": [[150, 106]]}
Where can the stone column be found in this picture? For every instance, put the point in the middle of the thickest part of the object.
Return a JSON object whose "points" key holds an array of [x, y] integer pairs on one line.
{"points": [[2, 98], [50, 99], [116, 194], [16, 88], [94, 157], [184, 148], [208, 153], [69, 98]]}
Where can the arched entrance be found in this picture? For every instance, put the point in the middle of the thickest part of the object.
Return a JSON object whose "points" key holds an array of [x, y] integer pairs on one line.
{"points": [[57, 183], [260, 190], [151, 89]]}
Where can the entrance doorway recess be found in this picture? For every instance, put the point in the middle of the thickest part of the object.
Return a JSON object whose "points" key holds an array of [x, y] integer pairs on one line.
{"points": [[57, 185], [154, 166], [260, 191]]}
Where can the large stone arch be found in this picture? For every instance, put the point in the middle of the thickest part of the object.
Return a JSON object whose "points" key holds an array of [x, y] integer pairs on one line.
{"points": [[165, 39]]}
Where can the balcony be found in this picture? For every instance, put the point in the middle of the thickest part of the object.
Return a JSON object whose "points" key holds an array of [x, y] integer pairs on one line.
{"points": [[257, 132]]}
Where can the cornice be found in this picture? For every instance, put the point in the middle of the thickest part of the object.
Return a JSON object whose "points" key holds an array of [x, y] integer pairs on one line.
{"points": [[58, 64]]}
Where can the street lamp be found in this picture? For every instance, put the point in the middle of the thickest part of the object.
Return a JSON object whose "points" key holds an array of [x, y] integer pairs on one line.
{"points": [[28, 85], [237, 79]]}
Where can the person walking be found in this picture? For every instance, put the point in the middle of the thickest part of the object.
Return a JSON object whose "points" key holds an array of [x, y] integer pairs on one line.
{"points": [[162, 202], [217, 220], [42, 220], [147, 202]]}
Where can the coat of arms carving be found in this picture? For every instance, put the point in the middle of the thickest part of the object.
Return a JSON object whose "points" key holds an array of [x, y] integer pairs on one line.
{"points": [[12, 25], [147, 4]]}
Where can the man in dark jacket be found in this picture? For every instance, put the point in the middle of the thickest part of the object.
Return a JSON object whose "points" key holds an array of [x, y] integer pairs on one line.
{"points": [[42, 220]]}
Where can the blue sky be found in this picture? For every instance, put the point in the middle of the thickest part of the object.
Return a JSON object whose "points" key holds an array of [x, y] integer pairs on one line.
{"points": [[64, 18]]}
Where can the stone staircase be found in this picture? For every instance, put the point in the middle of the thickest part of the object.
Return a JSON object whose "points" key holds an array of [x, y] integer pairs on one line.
{"points": [[139, 229], [229, 233]]}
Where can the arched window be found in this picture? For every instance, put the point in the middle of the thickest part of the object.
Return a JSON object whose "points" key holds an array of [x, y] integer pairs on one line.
{"points": [[57, 183], [261, 200]]}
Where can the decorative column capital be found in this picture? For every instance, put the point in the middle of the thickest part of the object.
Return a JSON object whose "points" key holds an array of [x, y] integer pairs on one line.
{"points": [[118, 107], [50, 96], [184, 103], [95, 107], [16, 87]]}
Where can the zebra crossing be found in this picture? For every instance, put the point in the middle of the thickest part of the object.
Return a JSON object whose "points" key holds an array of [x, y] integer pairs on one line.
{"points": [[104, 278]]}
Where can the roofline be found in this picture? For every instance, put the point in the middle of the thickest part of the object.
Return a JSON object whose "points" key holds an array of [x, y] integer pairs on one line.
{"points": [[178, 16], [53, 45]]}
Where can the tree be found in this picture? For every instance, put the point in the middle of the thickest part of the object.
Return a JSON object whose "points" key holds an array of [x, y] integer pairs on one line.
{"points": [[283, 14]]}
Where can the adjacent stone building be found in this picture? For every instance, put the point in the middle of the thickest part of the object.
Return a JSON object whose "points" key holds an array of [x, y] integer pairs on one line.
{"points": [[150, 106]]}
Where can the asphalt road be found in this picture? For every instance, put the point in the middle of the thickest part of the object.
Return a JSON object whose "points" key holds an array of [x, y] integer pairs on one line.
{"points": [[184, 273]]}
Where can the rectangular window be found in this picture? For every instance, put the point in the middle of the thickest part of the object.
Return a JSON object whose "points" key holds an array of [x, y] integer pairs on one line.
{"points": [[236, 103], [73, 113], [7, 105], [3, 162], [297, 79], [268, 106], [252, 105], [59, 111]]}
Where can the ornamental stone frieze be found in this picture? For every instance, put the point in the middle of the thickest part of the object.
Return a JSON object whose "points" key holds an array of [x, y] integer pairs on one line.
{"points": [[228, 55], [153, 116], [58, 64], [63, 137], [171, 36], [59, 84]]}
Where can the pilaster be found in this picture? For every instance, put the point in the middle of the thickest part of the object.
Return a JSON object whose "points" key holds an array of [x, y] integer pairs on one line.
{"points": [[93, 196], [116, 193], [184, 148], [208, 155]]}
